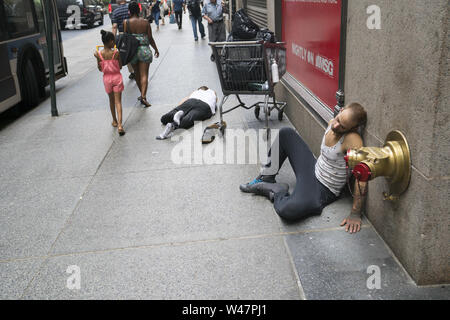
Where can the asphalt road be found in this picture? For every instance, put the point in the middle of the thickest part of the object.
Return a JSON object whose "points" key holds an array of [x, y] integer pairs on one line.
{"points": [[67, 34]]}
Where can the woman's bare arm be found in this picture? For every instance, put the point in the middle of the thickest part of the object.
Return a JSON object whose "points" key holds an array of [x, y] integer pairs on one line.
{"points": [[151, 40]]}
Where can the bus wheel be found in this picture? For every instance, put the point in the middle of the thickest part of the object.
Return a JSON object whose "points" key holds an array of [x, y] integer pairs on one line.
{"points": [[29, 86]]}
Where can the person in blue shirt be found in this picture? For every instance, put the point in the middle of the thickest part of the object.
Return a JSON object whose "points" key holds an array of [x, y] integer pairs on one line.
{"points": [[177, 7], [117, 17], [213, 13]]}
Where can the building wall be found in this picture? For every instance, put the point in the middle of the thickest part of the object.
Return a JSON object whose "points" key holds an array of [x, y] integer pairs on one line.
{"points": [[400, 75]]}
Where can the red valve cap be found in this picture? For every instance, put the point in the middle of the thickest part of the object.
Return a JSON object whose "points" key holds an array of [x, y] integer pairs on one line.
{"points": [[362, 172]]}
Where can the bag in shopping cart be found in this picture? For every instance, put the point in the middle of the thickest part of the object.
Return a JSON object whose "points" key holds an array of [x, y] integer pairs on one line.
{"points": [[266, 35], [243, 27]]}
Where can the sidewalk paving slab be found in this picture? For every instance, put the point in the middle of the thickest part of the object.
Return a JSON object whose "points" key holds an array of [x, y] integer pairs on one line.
{"points": [[256, 268], [33, 212], [335, 265], [164, 206]]}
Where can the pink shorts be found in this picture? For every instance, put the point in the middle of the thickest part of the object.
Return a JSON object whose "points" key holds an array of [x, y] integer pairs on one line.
{"points": [[113, 82]]}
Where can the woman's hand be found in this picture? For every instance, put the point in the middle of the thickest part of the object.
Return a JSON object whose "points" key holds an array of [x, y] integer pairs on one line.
{"points": [[156, 53]]}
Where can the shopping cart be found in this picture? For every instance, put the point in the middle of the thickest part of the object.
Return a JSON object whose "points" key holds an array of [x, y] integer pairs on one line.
{"points": [[244, 67]]}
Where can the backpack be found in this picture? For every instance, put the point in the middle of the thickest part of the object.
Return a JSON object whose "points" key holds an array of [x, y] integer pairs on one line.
{"points": [[194, 8]]}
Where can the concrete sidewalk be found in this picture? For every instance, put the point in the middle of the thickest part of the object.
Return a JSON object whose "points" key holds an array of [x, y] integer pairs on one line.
{"points": [[140, 226]]}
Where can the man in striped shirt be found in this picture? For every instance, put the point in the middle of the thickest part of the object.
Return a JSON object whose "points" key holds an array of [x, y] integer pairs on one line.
{"points": [[117, 17]]}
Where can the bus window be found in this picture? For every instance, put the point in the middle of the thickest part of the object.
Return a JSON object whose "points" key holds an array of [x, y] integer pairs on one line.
{"points": [[3, 30], [40, 15], [19, 18]]}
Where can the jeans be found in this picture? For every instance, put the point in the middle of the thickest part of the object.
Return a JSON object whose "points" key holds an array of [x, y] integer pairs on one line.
{"points": [[156, 17], [194, 21]]}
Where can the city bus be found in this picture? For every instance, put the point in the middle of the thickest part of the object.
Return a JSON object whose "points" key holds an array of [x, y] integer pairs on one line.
{"points": [[24, 71]]}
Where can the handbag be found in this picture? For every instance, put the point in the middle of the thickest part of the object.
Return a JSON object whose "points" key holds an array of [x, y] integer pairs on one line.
{"points": [[172, 18], [127, 45]]}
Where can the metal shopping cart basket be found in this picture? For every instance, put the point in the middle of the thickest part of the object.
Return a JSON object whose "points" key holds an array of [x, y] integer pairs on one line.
{"points": [[244, 67]]}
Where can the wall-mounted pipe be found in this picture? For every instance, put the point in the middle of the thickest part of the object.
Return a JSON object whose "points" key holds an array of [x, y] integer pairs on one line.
{"points": [[392, 161]]}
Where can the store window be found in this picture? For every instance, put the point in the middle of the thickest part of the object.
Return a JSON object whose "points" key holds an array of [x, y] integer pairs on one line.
{"points": [[312, 32]]}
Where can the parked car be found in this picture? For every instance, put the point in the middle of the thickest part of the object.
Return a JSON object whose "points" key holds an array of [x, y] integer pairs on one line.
{"points": [[90, 13]]}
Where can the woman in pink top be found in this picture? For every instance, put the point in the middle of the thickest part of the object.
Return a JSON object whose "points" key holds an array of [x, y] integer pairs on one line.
{"points": [[108, 61]]}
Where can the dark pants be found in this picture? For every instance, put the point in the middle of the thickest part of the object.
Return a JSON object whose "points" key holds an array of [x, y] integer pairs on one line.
{"points": [[309, 196], [179, 17], [194, 110], [216, 32]]}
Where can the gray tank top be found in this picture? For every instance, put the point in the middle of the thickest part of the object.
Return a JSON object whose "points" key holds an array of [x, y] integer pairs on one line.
{"points": [[330, 167]]}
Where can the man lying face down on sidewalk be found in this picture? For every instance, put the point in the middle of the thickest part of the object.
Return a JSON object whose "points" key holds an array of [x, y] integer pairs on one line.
{"points": [[198, 106], [320, 182]]}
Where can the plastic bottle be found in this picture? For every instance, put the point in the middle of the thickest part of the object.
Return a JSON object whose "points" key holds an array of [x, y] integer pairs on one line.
{"points": [[275, 75]]}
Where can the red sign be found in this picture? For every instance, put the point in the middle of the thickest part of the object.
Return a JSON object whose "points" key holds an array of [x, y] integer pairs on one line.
{"points": [[312, 32]]}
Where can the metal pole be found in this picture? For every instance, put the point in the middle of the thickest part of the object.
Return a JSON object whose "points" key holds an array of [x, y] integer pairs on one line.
{"points": [[51, 64]]}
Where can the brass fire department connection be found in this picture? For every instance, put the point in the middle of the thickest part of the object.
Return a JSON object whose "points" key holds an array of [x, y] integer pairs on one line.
{"points": [[392, 161]]}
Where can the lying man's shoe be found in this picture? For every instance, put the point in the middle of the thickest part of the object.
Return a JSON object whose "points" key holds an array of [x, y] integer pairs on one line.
{"points": [[251, 186]]}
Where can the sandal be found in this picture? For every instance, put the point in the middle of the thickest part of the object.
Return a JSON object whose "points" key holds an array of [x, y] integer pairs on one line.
{"points": [[209, 134], [120, 131], [145, 102]]}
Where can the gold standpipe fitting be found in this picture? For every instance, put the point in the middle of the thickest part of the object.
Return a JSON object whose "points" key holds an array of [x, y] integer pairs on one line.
{"points": [[392, 161]]}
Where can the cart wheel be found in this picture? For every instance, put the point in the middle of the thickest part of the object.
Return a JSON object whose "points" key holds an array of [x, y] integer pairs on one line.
{"points": [[280, 115], [257, 112]]}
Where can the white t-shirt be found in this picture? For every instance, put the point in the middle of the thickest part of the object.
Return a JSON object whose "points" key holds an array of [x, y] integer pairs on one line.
{"points": [[207, 96]]}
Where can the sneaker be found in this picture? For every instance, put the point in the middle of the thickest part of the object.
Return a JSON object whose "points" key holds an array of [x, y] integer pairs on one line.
{"points": [[252, 187], [203, 37], [196, 39]]}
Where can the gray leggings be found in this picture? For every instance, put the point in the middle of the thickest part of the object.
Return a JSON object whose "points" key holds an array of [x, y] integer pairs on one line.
{"points": [[309, 196]]}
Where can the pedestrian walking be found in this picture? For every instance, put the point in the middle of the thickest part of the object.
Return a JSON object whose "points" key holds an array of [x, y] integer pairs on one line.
{"points": [[108, 62], [178, 7], [156, 12], [195, 14], [162, 9], [117, 18], [213, 13], [141, 29]]}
